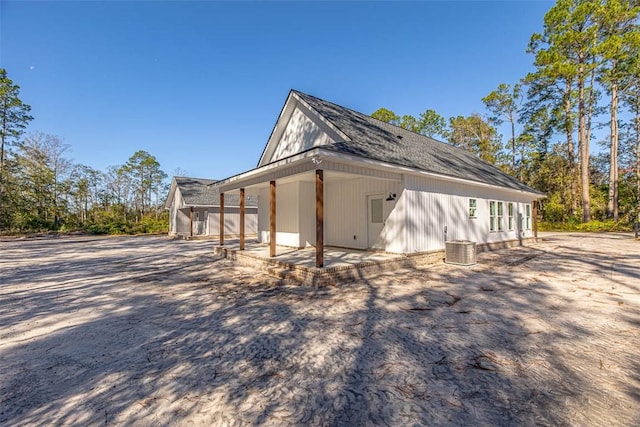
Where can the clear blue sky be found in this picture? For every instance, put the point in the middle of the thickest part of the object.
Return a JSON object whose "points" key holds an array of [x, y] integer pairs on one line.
{"points": [[200, 84]]}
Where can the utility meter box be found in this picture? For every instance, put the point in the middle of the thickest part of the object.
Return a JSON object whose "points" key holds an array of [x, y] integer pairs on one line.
{"points": [[461, 252]]}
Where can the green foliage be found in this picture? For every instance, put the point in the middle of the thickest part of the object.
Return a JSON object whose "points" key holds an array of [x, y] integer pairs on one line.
{"points": [[160, 225], [47, 192], [41, 190], [432, 124], [591, 226], [145, 176], [14, 117], [504, 104], [14, 114], [410, 123], [110, 222], [566, 57], [474, 134], [386, 116]]}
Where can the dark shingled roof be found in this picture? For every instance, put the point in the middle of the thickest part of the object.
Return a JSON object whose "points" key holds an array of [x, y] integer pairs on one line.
{"points": [[377, 140], [201, 192]]}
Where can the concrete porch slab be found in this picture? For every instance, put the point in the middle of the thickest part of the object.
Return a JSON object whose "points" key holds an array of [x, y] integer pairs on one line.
{"points": [[341, 264]]}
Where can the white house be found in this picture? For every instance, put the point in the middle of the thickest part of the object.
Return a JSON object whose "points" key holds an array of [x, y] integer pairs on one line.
{"points": [[194, 209], [332, 176]]}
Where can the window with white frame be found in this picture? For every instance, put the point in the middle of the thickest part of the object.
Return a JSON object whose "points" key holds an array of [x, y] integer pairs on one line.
{"points": [[527, 217], [500, 216], [472, 208], [492, 216], [510, 215], [376, 211]]}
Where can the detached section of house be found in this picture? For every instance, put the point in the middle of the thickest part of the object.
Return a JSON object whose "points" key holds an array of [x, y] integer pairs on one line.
{"points": [[194, 209], [332, 176]]}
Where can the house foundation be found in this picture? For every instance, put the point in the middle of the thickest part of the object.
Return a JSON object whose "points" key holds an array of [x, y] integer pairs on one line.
{"points": [[297, 266]]}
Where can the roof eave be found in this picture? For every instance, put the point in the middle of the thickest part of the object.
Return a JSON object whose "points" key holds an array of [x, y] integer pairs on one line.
{"points": [[406, 169], [234, 181]]}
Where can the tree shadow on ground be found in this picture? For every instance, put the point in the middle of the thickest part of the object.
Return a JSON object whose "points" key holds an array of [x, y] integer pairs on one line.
{"points": [[521, 338]]}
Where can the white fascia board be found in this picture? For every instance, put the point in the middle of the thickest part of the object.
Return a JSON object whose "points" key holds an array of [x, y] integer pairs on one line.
{"points": [[172, 192], [283, 119], [217, 206], [285, 112], [235, 182]]}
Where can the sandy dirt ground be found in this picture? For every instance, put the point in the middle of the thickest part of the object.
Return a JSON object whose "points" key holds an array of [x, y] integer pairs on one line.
{"points": [[151, 331]]}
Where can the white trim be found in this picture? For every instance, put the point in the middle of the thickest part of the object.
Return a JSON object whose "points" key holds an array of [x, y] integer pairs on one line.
{"points": [[401, 169], [227, 184], [475, 207], [218, 206], [283, 119], [172, 192], [511, 216], [527, 218]]}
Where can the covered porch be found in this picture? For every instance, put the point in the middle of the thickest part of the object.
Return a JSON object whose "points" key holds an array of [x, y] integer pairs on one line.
{"points": [[314, 201]]}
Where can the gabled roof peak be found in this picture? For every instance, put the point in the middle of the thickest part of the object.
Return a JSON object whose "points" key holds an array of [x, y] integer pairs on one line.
{"points": [[374, 139]]}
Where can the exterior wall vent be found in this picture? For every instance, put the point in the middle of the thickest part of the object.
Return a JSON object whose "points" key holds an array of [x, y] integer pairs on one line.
{"points": [[461, 252]]}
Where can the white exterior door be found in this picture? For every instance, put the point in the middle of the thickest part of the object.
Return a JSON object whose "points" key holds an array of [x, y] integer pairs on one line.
{"points": [[375, 221]]}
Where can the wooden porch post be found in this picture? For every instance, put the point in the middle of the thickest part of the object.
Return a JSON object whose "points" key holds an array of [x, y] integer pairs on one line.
{"points": [[191, 221], [242, 219], [272, 218], [535, 219], [319, 218], [221, 219]]}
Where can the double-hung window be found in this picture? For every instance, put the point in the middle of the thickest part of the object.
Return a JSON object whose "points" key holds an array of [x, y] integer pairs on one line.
{"points": [[496, 215], [510, 214], [492, 215], [527, 217], [472, 208]]}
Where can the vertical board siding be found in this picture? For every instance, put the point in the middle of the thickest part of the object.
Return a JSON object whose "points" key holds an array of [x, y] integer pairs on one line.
{"points": [[287, 215], [183, 225], [346, 212], [209, 224], [432, 204], [232, 221], [300, 134], [263, 215], [307, 214], [414, 222]]}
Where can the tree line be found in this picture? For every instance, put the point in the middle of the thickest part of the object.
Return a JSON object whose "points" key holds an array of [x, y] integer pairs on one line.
{"points": [[41, 189], [586, 77]]}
